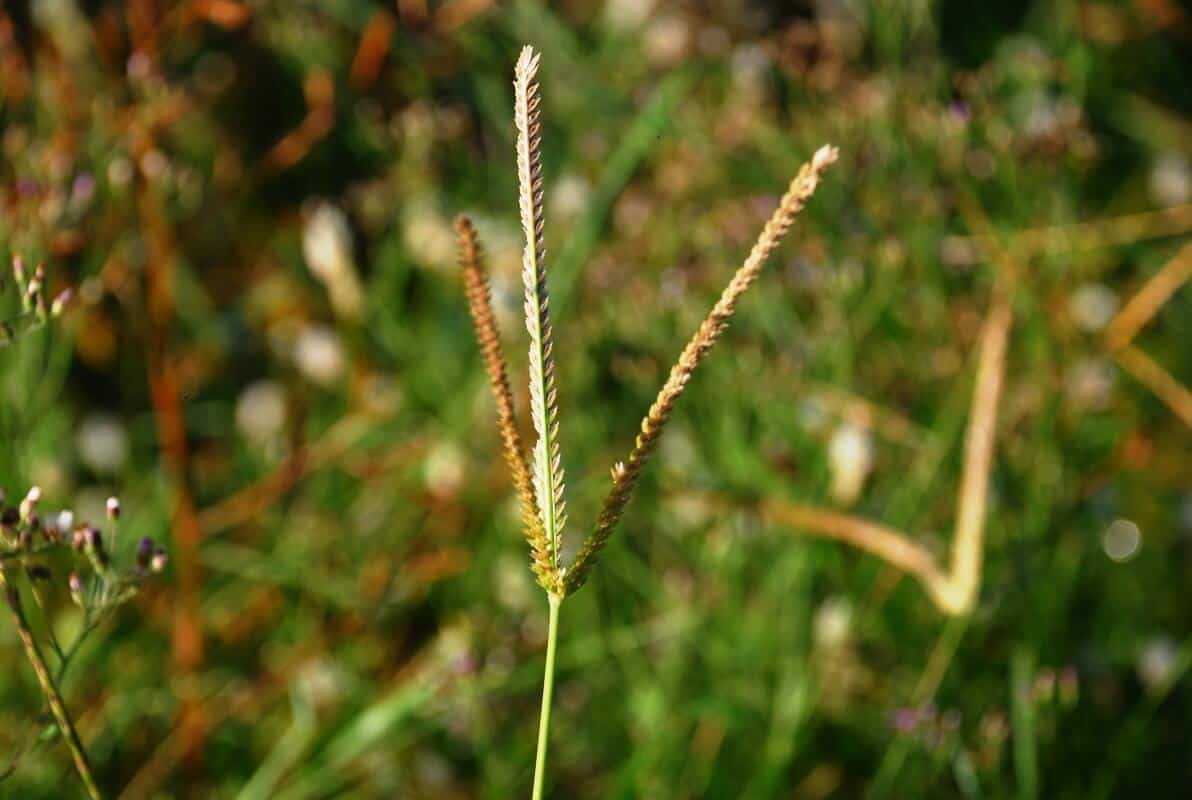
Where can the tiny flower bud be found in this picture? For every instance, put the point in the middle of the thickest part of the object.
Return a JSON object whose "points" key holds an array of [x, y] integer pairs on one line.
{"points": [[60, 302], [30, 501], [78, 539], [158, 562], [18, 270], [52, 532], [113, 508], [33, 290], [144, 552], [76, 588], [93, 540]]}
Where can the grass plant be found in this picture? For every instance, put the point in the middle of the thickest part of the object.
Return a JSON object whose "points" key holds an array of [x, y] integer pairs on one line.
{"points": [[541, 484]]}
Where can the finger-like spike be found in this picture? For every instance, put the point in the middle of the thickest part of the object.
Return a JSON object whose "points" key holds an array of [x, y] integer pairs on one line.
{"points": [[547, 464], [801, 188], [480, 306]]}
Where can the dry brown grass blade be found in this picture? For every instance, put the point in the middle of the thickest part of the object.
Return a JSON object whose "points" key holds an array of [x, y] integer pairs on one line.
{"points": [[625, 474], [953, 591], [1093, 235], [319, 89], [1143, 306], [333, 446], [1134, 316], [1154, 377], [958, 593], [480, 306], [895, 548]]}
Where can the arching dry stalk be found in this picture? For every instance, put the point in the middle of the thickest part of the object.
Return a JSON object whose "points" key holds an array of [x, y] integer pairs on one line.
{"points": [[892, 546], [954, 589], [1153, 376], [1134, 316], [1091, 235], [625, 474], [1143, 306], [958, 592], [487, 334]]}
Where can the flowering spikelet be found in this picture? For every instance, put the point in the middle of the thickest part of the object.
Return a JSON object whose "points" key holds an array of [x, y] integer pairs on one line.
{"points": [[547, 464], [480, 306], [625, 474]]}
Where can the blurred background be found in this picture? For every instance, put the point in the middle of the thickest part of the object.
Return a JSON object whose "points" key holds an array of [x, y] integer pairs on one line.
{"points": [[269, 359]]}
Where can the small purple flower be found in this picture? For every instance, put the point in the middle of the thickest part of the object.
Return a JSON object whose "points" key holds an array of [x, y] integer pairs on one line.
{"points": [[76, 588], [145, 550], [92, 537], [60, 302], [83, 187], [905, 720]]}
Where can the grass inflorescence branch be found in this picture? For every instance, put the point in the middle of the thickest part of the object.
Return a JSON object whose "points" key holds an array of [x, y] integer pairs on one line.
{"points": [[544, 407], [487, 334], [625, 474]]}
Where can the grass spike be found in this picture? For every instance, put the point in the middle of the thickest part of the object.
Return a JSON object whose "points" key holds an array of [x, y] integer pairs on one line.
{"points": [[487, 335], [625, 474], [547, 462]]}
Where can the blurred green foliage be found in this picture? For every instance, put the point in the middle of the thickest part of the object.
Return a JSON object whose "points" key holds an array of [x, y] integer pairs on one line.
{"points": [[349, 610]]}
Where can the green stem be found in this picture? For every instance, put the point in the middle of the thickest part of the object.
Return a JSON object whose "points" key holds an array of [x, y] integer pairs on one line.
{"points": [[548, 687], [57, 707]]}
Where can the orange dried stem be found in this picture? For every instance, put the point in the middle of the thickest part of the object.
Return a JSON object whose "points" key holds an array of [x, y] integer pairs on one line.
{"points": [[1143, 306]]}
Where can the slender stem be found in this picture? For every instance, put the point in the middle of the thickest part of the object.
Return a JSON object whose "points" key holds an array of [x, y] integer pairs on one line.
{"points": [[57, 707], [548, 688], [51, 637], [89, 625]]}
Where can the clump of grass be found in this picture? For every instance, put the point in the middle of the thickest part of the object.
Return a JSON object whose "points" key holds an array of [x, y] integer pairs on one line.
{"points": [[540, 484]]}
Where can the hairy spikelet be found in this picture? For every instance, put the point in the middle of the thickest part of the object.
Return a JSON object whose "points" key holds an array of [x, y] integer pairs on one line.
{"points": [[625, 474], [480, 306], [547, 464]]}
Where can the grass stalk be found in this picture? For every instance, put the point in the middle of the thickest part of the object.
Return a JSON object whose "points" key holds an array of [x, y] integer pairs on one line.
{"points": [[548, 690], [540, 481], [49, 689]]}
